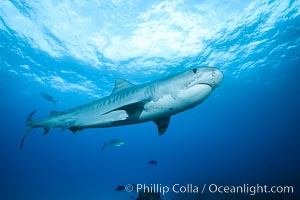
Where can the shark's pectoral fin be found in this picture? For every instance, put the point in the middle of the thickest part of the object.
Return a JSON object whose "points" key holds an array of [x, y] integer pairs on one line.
{"points": [[133, 111], [162, 124]]}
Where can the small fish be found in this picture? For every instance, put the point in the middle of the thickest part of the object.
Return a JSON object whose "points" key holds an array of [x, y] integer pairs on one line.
{"points": [[120, 188], [271, 165], [114, 143], [48, 97], [153, 162]]}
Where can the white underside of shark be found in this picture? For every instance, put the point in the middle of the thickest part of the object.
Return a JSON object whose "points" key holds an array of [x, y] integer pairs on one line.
{"points": [[131, 104]]}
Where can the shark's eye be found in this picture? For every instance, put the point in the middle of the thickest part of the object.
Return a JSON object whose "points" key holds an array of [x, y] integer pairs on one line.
{"points": [[195, 71]]}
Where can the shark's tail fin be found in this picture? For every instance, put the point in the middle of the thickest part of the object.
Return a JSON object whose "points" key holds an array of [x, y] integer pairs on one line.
{"points": [[28, 128]]}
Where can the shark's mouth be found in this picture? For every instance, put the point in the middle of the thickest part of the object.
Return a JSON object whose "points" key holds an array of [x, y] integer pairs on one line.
{"points": [[193, 84], [198, 81], [204, 84]]}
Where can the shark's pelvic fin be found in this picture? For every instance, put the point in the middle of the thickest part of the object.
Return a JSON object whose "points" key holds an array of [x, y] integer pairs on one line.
{"points": [[121, 84], [28, 128], [162, 124], [46, 130], [75, 130]]}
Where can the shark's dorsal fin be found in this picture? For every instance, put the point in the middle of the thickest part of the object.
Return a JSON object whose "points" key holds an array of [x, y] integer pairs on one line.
{"points": [[121, 84], [162, 124]]}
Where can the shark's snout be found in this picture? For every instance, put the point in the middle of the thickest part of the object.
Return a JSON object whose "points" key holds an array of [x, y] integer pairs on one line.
{"points": [[217, 77], [209, 76]]}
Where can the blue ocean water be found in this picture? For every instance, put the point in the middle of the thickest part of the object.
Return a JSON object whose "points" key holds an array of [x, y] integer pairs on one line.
{"points": [[246, 132]]}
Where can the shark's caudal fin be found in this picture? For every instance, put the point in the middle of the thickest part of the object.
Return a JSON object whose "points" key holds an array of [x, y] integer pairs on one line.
{"points": [[28, 128]]}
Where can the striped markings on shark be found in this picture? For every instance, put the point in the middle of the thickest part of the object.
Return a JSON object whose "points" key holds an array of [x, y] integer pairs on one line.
{"points": [[129, 104]]}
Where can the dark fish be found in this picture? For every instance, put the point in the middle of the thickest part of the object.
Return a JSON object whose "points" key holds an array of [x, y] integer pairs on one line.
{"points": [[48, 97], [153, 162], [120, 188], [271, 165]]}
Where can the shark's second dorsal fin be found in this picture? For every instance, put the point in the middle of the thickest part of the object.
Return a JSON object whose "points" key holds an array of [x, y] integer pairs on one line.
{"points": [[121, 84]]}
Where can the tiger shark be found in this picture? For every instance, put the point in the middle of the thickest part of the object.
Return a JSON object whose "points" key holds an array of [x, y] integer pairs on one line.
{"points": [[129, 104]]}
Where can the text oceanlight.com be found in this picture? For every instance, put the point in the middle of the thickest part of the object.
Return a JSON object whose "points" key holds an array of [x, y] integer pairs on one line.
{"points": [[209, 188], [250, 189]]}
